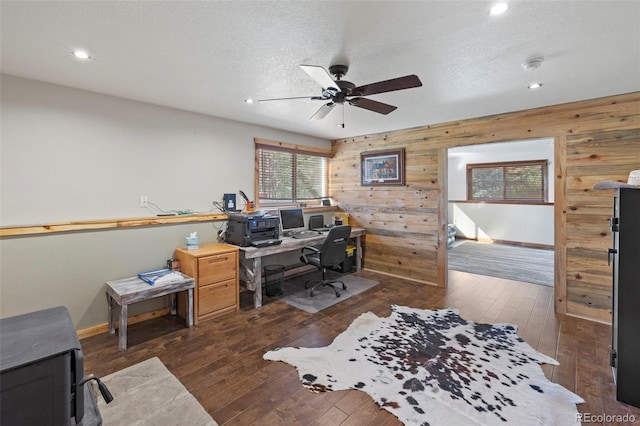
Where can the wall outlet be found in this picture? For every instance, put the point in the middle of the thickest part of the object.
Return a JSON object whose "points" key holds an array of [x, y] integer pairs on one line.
{"points": [[144, 201]]}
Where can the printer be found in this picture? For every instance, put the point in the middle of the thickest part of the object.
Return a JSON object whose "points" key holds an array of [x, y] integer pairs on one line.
{"points": [[247, 229]]}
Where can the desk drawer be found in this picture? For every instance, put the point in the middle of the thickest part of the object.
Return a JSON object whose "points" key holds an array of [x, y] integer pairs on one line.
{"points": [[217, 296], [212, 269]]}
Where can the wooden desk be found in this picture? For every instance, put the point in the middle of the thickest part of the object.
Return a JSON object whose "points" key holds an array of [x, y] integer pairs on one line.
{"points": [[133, 289], [251, 258]]}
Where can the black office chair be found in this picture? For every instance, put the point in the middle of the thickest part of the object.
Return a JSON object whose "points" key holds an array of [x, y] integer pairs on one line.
{"points": [[330, 255]]}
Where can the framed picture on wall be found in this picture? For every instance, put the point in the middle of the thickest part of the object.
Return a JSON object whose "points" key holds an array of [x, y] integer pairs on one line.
{"points": [[382, 167]]}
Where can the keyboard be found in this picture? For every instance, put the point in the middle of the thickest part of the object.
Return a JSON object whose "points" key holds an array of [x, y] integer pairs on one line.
{"points": [[266, 243], [304, 234], [325, 229]]}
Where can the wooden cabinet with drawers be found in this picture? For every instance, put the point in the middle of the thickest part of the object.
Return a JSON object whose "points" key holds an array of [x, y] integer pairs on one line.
{"points": [[215, 270]]}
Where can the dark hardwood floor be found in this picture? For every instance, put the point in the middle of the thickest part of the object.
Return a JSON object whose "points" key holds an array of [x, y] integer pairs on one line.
{"points": [[220, 360]]}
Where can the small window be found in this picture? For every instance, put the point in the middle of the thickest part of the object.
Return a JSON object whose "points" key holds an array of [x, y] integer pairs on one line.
{"points": [[515, 181], [290, 175]]}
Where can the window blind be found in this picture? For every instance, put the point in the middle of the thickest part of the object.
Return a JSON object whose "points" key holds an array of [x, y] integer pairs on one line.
{"points": [[286, 175], [524, 181]]}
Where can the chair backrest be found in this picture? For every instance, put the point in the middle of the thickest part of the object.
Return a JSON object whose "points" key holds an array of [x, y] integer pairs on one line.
{"points": [[316, 221], [334, 249]]}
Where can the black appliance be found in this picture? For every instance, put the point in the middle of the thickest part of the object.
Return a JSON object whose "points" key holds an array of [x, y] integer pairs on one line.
{"points": [[625, 351], [42, 372], [245, 229]]}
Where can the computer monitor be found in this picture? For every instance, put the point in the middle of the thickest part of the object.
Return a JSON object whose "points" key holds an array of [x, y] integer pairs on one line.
{"points": [[292, 220]]}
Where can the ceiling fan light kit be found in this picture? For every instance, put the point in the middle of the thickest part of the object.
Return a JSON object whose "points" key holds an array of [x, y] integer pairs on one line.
{"points": [[337, 91]]}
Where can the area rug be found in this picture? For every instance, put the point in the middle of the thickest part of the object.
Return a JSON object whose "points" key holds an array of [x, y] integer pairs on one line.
{"points": [[296, 295], [527, 264], [148, 394], [435, 368]]}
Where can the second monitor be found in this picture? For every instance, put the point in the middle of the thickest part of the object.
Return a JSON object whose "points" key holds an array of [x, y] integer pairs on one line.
{"points": [[292, 220]]}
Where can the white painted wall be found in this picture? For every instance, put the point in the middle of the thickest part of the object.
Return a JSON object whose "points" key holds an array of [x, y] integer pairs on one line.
{"points": [[509, 222], [69, 154]]}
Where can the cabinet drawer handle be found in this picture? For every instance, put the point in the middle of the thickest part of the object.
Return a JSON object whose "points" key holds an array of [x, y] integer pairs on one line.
{"points": [[218, 259], [219, 286]]}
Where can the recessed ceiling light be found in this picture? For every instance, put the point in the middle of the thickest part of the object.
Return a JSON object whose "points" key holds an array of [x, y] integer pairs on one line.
{"points": [[498, 9], [81, 54], [535, 85], [249, 101]]}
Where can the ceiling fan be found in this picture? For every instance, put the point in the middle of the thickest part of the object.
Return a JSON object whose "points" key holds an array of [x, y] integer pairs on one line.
{"points": [[339, 91]]}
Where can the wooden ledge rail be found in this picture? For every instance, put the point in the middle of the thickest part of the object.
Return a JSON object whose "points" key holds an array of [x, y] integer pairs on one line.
{"points": [[92, 225]]}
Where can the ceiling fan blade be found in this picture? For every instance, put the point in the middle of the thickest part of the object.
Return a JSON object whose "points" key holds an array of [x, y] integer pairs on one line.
{"points": [[400, 83], [374, 106], [254, 101], [323, 111], [321, 76]]}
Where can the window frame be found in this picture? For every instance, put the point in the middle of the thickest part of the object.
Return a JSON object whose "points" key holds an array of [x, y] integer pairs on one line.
{"points": [[544, 163], [269, 145]]}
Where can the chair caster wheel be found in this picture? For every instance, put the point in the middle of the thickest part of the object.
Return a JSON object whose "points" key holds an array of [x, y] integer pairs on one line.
{"points": [[344, 286], [312, 294]]}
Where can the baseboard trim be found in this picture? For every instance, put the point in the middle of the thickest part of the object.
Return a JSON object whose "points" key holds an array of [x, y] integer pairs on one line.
{"points": [[507, 242], [584, 317], [104, 328], [401, 276]]}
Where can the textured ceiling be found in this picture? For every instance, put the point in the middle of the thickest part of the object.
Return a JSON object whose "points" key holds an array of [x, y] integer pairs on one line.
{"points": [[207, 57]]}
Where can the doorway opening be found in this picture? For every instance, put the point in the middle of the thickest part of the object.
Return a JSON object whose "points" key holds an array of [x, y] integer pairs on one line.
{"points": [[495, 226]]}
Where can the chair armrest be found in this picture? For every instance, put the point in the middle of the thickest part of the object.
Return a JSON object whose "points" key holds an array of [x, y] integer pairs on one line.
{"points": [[309, 250]]}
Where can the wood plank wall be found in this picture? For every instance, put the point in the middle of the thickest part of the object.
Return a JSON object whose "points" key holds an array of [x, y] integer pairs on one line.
{"points": [[406, 226], [591, 158]]}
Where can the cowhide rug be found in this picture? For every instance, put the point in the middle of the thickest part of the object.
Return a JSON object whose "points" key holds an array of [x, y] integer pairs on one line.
{"points": [[435, 368]]}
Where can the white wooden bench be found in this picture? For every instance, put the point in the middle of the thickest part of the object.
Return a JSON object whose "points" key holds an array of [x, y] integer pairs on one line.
{"points": [[131, 290]]}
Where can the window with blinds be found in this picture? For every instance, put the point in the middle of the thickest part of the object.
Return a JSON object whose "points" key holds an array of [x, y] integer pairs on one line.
{"points": [[516, 181], [290, 175]]}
